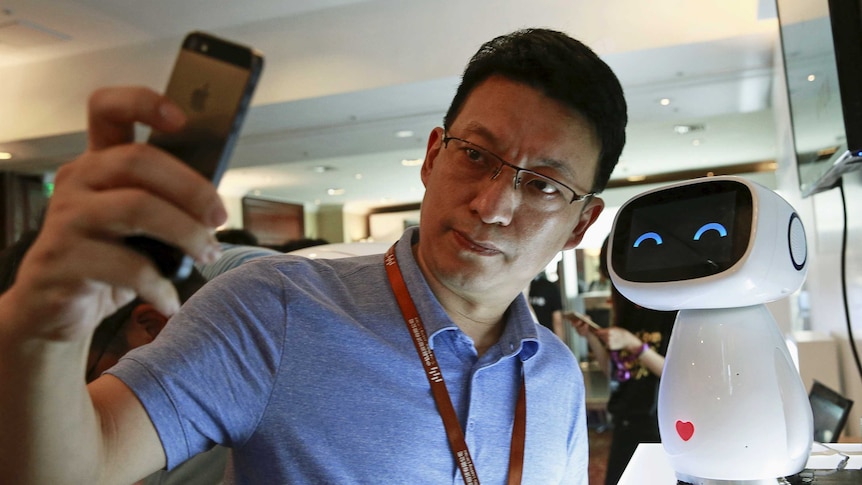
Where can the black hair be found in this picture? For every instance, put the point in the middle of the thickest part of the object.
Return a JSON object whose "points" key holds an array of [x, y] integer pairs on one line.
{"points": [[236, 236], [563, 69], [105, 335], [302, 243], [10, 259]]}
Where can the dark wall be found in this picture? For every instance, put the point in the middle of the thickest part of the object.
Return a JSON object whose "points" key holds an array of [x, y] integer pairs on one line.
{"points": [[22, 202]]}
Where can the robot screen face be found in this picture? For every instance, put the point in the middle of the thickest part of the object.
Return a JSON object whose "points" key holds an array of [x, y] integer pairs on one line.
{"points": [[682, 233]]}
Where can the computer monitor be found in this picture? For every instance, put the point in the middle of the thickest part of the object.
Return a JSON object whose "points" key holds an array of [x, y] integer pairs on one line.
{"points": [[830, 411], [823, 67]]}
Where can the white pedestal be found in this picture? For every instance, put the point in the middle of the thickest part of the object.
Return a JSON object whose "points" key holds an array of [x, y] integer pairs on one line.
{"points": [[650, 466]]}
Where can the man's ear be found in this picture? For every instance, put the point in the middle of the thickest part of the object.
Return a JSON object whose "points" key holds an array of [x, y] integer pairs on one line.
{"points": [[589, 213], [148, 319], [435, 144]]}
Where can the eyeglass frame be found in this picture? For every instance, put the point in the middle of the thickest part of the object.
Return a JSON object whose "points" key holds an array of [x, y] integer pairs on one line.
{"points": [[516, 180]]}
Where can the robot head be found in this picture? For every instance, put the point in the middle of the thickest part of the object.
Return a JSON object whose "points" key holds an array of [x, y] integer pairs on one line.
{"points": [[717, 242]]}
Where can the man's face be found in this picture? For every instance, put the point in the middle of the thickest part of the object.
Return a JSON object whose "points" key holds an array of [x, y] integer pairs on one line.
{"points": [[142, 327], [480, 235]]}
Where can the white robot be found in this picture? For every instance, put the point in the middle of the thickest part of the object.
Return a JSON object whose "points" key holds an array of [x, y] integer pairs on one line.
{"points": [[732, 408]]}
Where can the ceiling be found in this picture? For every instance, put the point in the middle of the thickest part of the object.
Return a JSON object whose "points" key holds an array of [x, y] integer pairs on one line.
{"points": [[342, 77]]}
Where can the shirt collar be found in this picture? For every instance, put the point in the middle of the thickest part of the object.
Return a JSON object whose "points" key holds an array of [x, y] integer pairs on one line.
{"points": [[520, 336]]}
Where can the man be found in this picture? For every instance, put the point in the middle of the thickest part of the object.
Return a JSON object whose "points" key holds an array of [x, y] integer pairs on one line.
{"points": [[317, 371]]}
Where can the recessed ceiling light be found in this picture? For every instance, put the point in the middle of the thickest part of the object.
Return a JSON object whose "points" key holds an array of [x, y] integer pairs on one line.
{"points": [[335, 191], [811, 77], [357, 176], [695, 142], [664, 101], [412, 162], [5, 156], [404, 133], [683, 129]]}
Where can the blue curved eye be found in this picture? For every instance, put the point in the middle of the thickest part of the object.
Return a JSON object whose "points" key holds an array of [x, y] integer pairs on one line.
{"points": [[712, 226], [648, 235]]}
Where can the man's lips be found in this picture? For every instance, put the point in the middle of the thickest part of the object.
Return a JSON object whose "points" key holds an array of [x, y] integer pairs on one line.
{"points": [[483, 248]]}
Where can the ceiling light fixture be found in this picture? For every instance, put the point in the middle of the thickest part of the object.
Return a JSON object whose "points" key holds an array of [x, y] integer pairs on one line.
{"points": [[22, 34], [335, 191], [664, 101], [5, 156], [412, 162], [683, 129], [404, 133], [323, 168], [811, 77]]}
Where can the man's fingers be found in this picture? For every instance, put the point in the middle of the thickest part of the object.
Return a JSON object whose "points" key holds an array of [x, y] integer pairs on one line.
{"points": [[113, 113], [117, 214], [149, 169], [79, 270], [84, 266]]}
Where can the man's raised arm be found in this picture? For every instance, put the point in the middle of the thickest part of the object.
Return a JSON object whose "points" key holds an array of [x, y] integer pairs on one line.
{"points": [[52, 428]]}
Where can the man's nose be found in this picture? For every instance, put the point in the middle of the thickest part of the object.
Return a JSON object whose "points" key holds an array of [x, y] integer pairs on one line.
{"points": [[497, 199]]}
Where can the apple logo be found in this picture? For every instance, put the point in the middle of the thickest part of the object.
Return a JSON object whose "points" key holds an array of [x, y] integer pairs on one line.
{"points": [[199, 98]]}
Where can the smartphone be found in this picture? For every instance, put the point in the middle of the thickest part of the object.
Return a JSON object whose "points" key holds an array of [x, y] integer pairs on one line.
{"points": [[585, 318], [213, 80]]}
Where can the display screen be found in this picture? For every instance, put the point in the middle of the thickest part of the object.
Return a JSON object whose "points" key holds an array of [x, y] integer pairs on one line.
{"points": [[683, 232], [830, 411], [821, 52]]}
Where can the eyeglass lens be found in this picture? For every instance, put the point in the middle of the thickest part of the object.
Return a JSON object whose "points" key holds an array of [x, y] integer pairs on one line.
{"points": [[540, 191]]}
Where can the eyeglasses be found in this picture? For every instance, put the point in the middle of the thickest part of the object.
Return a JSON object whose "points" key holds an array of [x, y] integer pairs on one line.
{"points": [[540, 191]]}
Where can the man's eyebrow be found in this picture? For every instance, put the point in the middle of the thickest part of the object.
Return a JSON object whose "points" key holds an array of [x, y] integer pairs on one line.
{"points": [[482, 131]]}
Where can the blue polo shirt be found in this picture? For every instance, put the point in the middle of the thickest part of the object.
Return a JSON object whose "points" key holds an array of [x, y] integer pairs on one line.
{"points": [[306, 369]]}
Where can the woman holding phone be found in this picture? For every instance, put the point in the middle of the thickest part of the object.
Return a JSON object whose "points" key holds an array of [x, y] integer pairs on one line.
{"points": [[631, 351]]}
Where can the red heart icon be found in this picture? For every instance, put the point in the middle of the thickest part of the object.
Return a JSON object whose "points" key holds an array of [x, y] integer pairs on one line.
{"points": [[685, 430]]}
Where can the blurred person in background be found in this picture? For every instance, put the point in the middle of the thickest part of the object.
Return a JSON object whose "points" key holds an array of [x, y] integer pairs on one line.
{"points": [[631, 352]]}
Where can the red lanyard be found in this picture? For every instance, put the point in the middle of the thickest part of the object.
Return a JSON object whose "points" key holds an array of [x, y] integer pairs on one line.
{"points": [[441, 394]]}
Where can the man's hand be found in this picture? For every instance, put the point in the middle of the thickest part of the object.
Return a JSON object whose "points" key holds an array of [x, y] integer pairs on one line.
{"points": [[79, 270]]}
